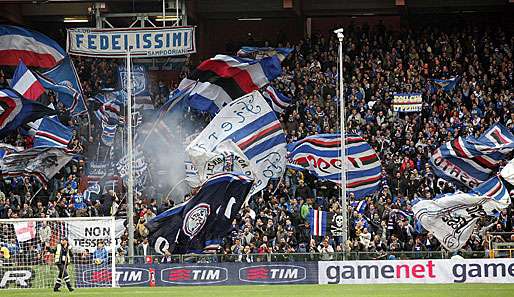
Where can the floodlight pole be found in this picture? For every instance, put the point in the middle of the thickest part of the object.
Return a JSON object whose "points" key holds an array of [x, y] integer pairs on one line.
{"points": [[130, 182], [342, 118]]}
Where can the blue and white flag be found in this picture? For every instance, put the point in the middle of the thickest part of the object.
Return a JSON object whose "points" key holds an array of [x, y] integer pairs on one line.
{"points": [[253, 126], [321, 155], [203, 220], [108, 133], [360, 206], [278, 101], [109, 113], [446, 85], [140, 86], [470, 161], [63, 80], [219, 80], [16, 111], [52, 133], [319, 221], [261, 52]]}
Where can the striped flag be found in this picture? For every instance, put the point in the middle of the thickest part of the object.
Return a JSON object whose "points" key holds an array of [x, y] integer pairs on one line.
{"points": [[51, 133], [495, 189], [470, 161], [223, 78], [109, 112], [321, 155], [319, 221], [251, 124], [278, 101], [34, 48], [108, 133], [25, 83]]}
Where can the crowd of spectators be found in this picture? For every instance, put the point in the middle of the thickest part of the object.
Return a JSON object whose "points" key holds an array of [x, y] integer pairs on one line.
{"points": [[377, 63]]}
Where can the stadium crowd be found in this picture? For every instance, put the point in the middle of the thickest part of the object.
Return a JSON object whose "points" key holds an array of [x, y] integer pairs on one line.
{"points": [[377, 63]]}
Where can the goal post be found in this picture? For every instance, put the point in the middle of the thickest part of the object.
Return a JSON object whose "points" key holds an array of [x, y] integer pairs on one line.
{"points": [[27, 248]]}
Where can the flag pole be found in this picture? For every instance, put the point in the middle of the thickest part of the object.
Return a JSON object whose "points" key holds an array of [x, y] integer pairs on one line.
{"points": [[342, 119], [130, 182]]}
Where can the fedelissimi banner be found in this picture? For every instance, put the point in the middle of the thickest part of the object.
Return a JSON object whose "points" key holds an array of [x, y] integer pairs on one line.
{"points": [[407, 102], [143, 42]]}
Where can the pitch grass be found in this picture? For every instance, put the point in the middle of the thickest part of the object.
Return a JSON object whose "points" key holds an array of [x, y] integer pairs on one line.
{"points": [[458, 290]]}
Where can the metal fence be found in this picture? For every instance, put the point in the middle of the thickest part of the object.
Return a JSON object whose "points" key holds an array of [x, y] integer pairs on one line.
{"points": [[297, 257]]}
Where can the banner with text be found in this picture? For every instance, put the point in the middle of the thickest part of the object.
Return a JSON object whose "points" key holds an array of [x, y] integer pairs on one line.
{"points": [[144, 42], [86, 234], [417, 271], [407, 102]]}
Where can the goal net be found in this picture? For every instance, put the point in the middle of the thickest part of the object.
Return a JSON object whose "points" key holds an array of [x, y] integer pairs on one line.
{"points": [[28, 246]]}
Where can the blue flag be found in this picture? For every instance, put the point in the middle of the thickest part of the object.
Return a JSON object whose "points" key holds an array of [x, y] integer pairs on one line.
{"points": [[63, 80], [16, 111], [318, 220], [202, 220], [51, 133], [446, 85]]}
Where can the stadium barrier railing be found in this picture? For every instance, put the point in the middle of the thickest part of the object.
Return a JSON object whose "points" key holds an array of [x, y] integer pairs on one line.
{"points": [[296, 257]]}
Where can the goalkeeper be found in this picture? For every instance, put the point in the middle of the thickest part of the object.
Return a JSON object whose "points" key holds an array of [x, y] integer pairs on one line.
{"points": [[62, 259]]}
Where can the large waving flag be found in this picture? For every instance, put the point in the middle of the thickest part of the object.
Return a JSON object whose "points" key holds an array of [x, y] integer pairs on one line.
{"points": [[16, 111], [41, 163], [470, 161], [203, 220], [221, 79], [453, 217], [34, 48], [321, 155], [262, 52], [25, 83], [446, 85], [278, 101], [51, 133], [63, 80], [251, 124], [494, 188]]}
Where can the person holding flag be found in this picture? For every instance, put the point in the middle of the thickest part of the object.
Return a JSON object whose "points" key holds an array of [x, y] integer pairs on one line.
{"points": [[62, 259]]}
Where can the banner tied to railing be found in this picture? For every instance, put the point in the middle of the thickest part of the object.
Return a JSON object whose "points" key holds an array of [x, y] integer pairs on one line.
{"points": [[143, 42]]}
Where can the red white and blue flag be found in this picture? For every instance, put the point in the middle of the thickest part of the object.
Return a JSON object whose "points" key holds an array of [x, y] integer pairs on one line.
{"points": [[51, 133], [321, 155], [221, 79], [470, 161], [318, 220], [34, 48], [16, 111], [278, 101], [25, 83]]}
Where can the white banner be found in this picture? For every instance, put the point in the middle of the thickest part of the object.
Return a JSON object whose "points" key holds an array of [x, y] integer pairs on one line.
{"points": [[417, 271], [86, 234], [145, 42], [226, 157], [407, 102]]}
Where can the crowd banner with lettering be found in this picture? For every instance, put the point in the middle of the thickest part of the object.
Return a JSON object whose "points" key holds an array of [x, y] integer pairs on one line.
{"points": [[195, 274], [144, 42], [447, 271], [407, 102], [86, 234]]}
